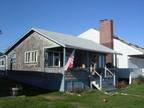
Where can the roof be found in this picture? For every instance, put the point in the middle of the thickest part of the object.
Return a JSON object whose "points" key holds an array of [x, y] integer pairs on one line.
{"points": [[141, 49], [69, 41]]}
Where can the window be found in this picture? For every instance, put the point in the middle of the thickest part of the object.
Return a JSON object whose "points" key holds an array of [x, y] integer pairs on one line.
{"points": [[31, 56], [54, 59], [2, 63], [50, 58], [13, 58]]}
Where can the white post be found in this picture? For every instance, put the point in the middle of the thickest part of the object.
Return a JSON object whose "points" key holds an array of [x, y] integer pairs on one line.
{"points": [[130, 79], [64, 55], [62, 88], [100, 83], [105, 72], [114, 80]]}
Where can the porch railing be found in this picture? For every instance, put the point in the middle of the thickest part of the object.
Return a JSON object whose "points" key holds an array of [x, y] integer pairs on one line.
{"points": [[96, 82], [108, 73]]}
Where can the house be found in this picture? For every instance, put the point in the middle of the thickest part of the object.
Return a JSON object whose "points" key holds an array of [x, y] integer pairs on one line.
{"points": [[132, 56], [2, 64], [39, 57]]}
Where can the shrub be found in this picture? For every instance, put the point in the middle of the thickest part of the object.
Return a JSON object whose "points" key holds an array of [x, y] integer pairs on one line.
{"points": [[139, 80], [77, 90], [121, 84]]}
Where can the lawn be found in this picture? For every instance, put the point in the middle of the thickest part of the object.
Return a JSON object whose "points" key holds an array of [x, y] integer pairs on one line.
{"points": [[36, 98]]}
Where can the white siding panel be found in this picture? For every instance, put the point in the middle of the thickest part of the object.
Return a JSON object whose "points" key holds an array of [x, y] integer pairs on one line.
{"points": [[91, 34], [125, 50]]}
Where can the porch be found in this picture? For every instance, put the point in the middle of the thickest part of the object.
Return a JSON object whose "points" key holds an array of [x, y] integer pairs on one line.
{"points": [[56, 58], [81, 76]]}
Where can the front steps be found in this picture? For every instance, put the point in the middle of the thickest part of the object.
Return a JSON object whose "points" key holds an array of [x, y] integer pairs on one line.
{"points": [[104, 81], [107, 84]]}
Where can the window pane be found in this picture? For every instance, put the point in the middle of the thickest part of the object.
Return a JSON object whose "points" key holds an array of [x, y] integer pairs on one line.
{"points": [[33, 56], [56, 59], [28, 57], [36, 56], [13, 58], [50, 59], [2, 62]]}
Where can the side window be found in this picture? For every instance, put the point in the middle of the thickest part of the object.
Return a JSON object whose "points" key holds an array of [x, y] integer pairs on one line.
{"points": [[2, 63], [31, 56], [13, 58]]}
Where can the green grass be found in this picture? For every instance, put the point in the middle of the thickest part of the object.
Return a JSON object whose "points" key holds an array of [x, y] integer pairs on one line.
{"points": [[135, 89], [89, 99]]}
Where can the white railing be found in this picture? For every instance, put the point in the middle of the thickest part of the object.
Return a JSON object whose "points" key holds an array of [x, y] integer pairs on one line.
{"points": [[98, 86], [110, 73]]}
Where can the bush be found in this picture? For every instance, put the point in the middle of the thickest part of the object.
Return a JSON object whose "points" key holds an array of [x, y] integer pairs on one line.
{"points": [[77, 90], [139, 80], [121, 84]]}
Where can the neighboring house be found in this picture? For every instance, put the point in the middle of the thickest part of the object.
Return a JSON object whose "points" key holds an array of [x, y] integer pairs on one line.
{"points": [[39, 57], [132, 56], [2, 63]]}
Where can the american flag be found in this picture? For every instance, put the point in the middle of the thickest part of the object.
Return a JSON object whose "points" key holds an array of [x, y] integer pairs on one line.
{"points": [[70, 61]]}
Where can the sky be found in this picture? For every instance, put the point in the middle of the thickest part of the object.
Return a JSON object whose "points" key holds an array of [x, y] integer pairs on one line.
{"points": [[70, 17]]}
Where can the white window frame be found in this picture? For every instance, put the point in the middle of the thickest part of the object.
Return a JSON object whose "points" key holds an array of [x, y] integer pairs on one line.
{"points": [[31, 60]]}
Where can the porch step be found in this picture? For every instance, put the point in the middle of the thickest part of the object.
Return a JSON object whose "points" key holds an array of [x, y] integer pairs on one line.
{"points": [[103, 81], [107, 84]]}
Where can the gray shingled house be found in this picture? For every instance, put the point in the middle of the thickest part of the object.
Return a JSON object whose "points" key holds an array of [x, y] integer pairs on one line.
{"points": [[39, 56]]}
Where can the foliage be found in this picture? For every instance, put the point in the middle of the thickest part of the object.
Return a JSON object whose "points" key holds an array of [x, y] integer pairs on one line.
{"points": [[121, 84], [139, 80]]}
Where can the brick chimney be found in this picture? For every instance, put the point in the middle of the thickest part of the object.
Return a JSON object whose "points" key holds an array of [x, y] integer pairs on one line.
{"points": [[106, 36]]}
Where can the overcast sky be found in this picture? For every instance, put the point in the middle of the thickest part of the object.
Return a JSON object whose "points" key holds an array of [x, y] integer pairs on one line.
{"points": [[70, 17]]}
